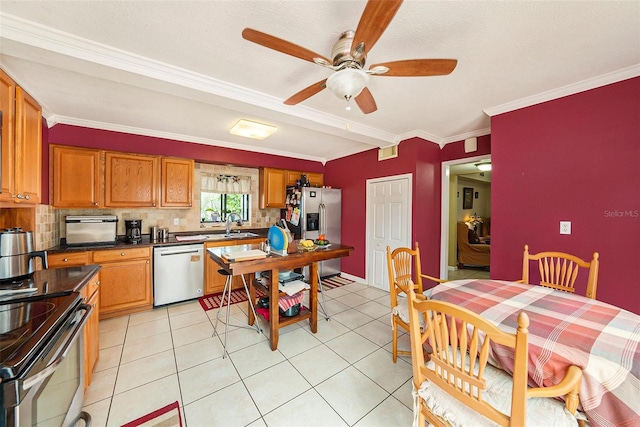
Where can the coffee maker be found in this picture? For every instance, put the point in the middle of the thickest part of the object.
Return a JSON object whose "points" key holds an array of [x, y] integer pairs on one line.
{"points": [[134, 230]]}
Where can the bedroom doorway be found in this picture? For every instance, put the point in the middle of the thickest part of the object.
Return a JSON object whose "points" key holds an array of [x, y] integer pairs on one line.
{"points": [[457, 175]]}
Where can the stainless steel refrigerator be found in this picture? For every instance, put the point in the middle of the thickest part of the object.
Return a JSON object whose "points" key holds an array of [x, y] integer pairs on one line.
{"points": [[321, 213]]}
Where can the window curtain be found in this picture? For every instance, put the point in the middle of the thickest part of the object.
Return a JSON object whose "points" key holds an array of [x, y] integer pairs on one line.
{"points": [[229, 184]]}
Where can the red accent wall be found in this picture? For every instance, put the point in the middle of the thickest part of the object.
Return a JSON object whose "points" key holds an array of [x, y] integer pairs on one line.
{"points": [[455, 150], [118, 141], [416, 156], [575, 159]]}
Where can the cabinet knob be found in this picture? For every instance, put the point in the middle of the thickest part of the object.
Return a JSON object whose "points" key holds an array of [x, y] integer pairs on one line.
{"points": [[154, 204], [27, 197], [98, 283], [122, 254], [95, 203], [147, 261], [65, 260]]}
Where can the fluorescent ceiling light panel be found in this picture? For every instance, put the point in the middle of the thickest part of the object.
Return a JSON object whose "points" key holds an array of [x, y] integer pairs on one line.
{"points": [[254, 130]]}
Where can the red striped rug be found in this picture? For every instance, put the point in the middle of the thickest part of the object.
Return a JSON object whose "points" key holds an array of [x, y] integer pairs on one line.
{"points": [[335, 282], [209, 302], [169, 416]]}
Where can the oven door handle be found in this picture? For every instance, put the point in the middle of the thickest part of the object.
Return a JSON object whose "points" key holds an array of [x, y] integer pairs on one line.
{"points": [[51, 367]]}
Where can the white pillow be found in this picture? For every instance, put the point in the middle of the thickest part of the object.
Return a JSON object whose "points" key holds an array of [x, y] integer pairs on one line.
{"points": [[541, 411]]}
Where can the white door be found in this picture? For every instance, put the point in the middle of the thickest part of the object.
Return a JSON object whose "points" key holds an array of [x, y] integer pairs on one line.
{"points": [[388, 223]]}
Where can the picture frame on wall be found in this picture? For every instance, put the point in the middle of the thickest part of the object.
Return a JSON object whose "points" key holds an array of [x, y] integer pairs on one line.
{"points": [[467, 198]]}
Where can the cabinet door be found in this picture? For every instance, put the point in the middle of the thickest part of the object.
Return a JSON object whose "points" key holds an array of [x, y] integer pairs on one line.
{"points": [[315, 179], [75, 173], [28, 146], [214, 281], [125, 286], [177, 183], [292, 178], [91, 331], [7, 106], [272, 188], [131, 180]]}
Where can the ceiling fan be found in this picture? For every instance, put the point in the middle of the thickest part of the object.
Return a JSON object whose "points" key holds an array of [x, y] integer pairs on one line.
{"points": [[350, 79]]}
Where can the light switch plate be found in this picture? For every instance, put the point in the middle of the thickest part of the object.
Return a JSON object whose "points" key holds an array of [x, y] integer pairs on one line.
{"points": [[176, 221], [565, 227]]}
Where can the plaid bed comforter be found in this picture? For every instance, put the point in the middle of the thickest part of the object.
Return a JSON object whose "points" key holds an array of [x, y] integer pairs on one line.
{"points": [[566, 329]]}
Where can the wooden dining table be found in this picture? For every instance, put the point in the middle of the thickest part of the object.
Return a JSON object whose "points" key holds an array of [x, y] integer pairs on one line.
{"points": [[566, 329], [273, 264]]}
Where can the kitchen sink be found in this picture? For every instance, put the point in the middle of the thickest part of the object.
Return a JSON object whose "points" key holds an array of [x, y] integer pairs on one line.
{"points": [[230, 236]]}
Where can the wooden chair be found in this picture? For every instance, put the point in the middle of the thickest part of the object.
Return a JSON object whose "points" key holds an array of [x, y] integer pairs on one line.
{"points": [[559, 270], [458, 368], [403, 265]]}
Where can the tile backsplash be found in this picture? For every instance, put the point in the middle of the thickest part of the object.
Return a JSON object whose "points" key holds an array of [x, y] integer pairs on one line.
{"points": [[51, 222]]}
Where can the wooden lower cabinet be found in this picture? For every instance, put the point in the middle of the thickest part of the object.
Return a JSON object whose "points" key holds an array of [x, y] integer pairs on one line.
{"points": [[214, 281], [69, 259], [91, 296], [126, 288]]}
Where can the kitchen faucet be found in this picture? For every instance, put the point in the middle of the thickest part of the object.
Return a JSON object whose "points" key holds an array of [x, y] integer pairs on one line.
{"points": [[239, 220]]}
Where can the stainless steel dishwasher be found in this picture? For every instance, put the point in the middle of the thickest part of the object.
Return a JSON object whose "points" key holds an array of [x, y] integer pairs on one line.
{"points": [[178, 273]]}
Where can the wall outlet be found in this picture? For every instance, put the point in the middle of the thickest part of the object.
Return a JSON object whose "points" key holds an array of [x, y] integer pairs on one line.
{"points": [[176, 221], [565, 227]]}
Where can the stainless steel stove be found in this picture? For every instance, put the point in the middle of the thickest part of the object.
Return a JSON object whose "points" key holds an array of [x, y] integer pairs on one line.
{"points": [[41, 354]]}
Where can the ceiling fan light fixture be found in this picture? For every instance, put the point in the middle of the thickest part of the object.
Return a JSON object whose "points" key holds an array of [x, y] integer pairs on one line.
{"points": [[484, 167], [254, 130], [347, 83]]}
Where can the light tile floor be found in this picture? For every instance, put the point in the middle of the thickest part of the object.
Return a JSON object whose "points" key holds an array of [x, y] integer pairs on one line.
{"points": [[341, 376], [469, 273]]}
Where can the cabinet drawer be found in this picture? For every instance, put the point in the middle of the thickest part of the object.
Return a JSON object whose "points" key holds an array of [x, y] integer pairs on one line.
{"points": [[121, 254], [68, 259]]}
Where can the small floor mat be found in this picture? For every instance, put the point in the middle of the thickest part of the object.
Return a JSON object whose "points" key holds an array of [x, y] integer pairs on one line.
{"points": [[335, 282], [209, 302], [169, 416]]}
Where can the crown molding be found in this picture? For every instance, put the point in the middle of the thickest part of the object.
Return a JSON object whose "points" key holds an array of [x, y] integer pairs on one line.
{"points": [[177, 137], [463, 136], [581, 86], [47, 38]]}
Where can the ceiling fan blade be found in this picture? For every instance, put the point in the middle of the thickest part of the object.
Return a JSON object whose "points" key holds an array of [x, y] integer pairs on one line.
{"points": [[280, 45], [374, 20], [366, 102], [305, 93], [418, 67]]}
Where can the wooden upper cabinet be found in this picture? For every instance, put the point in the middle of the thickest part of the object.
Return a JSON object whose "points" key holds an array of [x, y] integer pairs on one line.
{"points": [[292, 178], [272, 188], [21, 144], [131, 180], [315, 179], [177, 182], [76, 177], [7, 106]]}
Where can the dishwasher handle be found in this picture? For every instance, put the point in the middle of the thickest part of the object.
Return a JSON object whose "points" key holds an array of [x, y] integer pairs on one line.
{"points": [[180, 252]]}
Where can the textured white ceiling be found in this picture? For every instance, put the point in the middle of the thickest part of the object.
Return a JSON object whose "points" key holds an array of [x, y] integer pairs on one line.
{"points": [[180, 69]]}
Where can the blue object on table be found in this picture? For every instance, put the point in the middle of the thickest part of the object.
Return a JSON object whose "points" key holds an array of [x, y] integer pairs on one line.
{"points": [[277, 239]]}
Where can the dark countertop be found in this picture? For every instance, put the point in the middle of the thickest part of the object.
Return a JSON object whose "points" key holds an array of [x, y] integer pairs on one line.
{"points": [[49, 283], [65, 279], [146, 241]]}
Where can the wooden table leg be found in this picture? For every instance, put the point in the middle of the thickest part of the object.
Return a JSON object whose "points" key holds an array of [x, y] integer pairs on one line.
{"points": [[274, 312], [252, 298], [313, 297]]}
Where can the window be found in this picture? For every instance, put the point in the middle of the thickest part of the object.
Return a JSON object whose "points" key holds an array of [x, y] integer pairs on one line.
{"points": [[214, 207], [221, 195]]}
